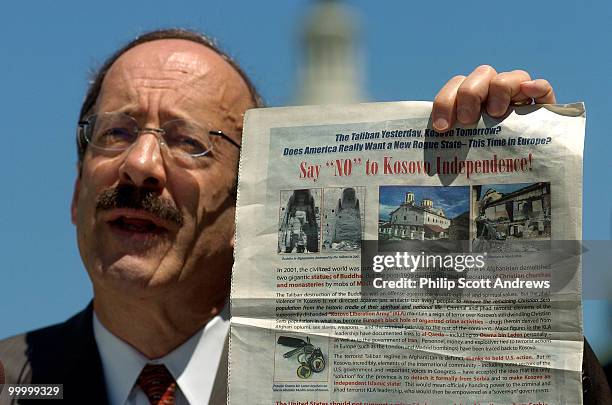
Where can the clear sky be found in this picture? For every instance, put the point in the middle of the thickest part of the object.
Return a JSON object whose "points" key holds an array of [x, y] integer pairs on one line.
{"points": [[410, 49]]}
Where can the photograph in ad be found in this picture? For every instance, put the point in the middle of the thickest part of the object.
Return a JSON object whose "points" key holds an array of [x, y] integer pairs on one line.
{"points": [[299, 221], [343, 218], [298, 357], [423, 213], [511, 212]]}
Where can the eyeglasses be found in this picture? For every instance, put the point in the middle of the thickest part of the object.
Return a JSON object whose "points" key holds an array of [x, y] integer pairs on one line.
{"points": [[116, 132]]}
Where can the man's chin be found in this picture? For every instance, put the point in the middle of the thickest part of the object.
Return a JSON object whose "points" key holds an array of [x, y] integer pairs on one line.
{"points": [[132, 273]]}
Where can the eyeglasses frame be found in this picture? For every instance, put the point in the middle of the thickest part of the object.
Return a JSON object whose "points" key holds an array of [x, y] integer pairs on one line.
{"points": [[81, 130]]}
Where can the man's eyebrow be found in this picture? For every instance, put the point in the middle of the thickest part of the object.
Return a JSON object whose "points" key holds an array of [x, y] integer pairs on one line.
{"points": [[128, 109]]}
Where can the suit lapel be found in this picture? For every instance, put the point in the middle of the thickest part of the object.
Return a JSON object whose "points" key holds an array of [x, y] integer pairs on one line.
{"points": [[90, 384], [67, 354]]}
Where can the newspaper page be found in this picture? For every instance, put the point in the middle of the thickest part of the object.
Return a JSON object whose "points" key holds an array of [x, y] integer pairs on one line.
{"points": [[378, 261]]}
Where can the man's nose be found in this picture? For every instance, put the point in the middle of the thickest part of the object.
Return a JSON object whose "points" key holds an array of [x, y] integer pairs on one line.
{"points": [[143, 164]]}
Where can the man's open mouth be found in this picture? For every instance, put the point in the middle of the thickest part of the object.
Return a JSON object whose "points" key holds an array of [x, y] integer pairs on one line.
{"points": [[137, 223]]}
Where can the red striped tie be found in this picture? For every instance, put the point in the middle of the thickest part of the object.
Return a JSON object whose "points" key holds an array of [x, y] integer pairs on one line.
{"points": [[158, 384]]}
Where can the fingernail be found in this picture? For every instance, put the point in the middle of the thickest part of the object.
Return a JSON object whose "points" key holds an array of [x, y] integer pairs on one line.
{"points": [[496, 107], [463, 115], [440, 124]]}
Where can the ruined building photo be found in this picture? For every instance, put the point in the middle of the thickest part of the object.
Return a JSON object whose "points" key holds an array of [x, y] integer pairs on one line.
{"points": [[512, 211]]}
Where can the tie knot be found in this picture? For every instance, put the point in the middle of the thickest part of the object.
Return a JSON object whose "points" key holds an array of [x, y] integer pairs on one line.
{"points": [[158, 384]]}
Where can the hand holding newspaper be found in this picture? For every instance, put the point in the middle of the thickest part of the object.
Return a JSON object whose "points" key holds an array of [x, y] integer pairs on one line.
{"points": [[378, 261]]}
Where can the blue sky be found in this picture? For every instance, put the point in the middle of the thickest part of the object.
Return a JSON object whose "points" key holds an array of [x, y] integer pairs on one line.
{"points": [[453, 200], [409, 50]]}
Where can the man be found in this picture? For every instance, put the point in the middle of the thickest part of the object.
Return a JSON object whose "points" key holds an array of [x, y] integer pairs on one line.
{"points": [[153, 207]]}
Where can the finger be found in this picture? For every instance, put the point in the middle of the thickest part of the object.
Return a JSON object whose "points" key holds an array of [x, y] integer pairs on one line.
{"points": [[472, 93], [504, 89], [443, 111], [540, 90]]}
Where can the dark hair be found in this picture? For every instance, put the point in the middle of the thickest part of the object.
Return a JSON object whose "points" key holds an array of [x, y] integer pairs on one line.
{"points": [[172, 33]]}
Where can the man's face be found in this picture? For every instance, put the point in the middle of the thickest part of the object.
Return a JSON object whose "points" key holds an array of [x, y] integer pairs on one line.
{"points": [[134, 250]]}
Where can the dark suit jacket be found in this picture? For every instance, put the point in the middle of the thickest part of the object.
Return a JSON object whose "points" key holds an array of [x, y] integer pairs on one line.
{"points": [[67, 354]]}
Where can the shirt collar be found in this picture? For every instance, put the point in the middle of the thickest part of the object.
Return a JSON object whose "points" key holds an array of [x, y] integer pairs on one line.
{"points": [[193, 364]]}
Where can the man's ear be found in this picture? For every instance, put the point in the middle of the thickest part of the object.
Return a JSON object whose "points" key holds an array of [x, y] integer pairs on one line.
{"points": [[75, 199]]}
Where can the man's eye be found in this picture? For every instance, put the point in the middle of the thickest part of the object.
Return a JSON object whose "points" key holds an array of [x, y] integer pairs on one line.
{"points": [[114, 137], [187, 144]]}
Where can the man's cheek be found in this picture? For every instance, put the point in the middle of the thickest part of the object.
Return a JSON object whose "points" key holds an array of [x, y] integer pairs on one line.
{"points": [[86, 201]]}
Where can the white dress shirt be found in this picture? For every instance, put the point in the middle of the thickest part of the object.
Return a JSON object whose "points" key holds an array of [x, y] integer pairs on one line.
{"points": [[193, 365]]}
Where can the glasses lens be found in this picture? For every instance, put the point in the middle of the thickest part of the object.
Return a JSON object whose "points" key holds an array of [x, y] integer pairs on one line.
{"points": [[185, 138], [113, 131]]}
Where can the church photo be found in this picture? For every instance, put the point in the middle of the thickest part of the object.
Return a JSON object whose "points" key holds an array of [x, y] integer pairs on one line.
{"points": [[423, 213]]}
